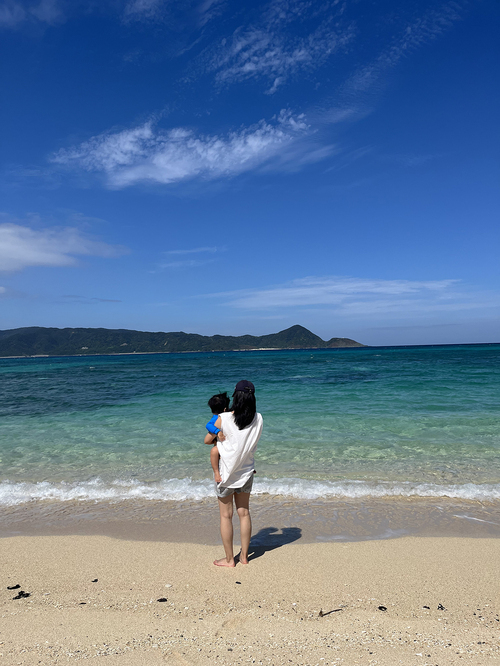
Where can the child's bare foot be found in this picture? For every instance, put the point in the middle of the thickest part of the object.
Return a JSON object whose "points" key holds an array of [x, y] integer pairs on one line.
{"points": [[224, 563], [217, 477]]}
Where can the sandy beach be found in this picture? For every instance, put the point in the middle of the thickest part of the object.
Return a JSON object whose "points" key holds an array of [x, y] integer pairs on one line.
{"points": [[103, 600]]}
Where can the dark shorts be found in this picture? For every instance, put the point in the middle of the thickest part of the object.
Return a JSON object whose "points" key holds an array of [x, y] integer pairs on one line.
{"points": [[220, 491]]}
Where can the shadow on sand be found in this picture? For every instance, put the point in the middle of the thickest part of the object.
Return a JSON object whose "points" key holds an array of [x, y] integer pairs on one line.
{"points": [[269, 538]]}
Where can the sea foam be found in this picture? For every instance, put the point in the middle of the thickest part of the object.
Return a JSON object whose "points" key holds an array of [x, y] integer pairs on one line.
{"points": [[12, 494]]}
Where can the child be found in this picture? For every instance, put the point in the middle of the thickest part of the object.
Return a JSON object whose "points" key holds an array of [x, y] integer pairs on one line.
{"points": [[218, 403]]}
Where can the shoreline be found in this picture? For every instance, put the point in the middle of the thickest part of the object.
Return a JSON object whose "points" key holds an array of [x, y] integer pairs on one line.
{"points": [[100, 600], [253, 349], [304, 521], [196, 351]]}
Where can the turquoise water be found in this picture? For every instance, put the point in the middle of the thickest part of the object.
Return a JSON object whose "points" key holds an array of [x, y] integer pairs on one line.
{"points": [[419, 421]]}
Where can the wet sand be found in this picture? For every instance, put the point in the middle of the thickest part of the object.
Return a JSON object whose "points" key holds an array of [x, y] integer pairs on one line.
{"points": [[103, 600], [311, 521]]}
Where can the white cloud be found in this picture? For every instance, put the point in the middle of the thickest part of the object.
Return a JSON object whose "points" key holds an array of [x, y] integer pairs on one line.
{"points": [[409, 160], [335, 291], [367, 301], [47, 11], [13, 13], [371, 300], [423, 30], [195, 250], [147, 154], [85, 300], [142, 8], [257, 53], [267, 50], [22, 246], [186, 263]]}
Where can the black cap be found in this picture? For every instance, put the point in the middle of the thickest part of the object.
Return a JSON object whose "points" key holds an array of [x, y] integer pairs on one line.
{"points": [[246, 386]]}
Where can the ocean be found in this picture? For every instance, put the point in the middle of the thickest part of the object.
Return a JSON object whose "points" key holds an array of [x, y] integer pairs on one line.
{"points": [[363, 424]]}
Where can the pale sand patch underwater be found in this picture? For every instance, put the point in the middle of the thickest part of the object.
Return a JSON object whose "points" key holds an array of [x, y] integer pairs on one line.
{"points": [[441, 597]]}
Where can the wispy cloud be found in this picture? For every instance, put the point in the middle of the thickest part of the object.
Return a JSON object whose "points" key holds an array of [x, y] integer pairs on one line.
{"points": [[195, 13], [421, 31], [210, 9], [186, 263], [135, 9], [270, 51], [85, 300], [22, 246], [408, 160], [313, 291], [148, 154], [359, 298], [14, 12], [195, 250], [257, 53]]}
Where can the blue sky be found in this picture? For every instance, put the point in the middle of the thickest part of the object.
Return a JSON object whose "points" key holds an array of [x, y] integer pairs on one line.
{"points": [[231, 167]]}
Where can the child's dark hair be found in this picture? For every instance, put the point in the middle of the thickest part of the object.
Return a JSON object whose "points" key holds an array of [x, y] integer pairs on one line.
{"points": [[219, 403]]}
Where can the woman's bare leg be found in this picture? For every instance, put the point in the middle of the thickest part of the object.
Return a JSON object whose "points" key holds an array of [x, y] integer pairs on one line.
{"points": [[242, 507], [226, 531]]}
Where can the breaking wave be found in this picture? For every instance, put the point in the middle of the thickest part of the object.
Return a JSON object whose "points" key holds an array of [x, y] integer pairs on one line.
{"points": [[195, 490]]}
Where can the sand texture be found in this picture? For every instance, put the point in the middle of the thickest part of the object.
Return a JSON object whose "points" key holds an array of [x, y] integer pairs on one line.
{"points": [[295, 604]]}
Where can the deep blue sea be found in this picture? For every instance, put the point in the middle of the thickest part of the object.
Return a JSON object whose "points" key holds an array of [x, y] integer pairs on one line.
{"points": [[372, 422]]}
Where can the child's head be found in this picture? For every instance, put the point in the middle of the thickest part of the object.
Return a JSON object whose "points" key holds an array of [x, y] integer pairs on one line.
{"points": [[219, 403]]}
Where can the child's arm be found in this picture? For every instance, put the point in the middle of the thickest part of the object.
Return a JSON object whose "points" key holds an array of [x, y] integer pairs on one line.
{"points": [[211, 425], [210, 439]]}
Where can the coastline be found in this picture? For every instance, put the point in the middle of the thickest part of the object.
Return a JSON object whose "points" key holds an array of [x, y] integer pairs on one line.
{"points": [[191, 351], [304, 521], [253, 349], [101, 600]]}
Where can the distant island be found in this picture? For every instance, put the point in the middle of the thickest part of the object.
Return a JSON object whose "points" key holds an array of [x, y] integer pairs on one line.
{"points": [[39, 341]]}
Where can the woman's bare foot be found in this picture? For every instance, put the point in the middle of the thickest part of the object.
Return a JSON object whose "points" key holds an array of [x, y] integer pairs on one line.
{"points": [[224, 563], [242, 560]]}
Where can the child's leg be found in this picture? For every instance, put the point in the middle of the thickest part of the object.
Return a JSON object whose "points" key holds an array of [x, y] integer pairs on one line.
{"points": [[214, 461]]}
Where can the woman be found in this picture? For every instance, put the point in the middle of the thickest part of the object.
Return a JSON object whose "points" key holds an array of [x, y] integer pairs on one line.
{"points": [[241, 428]]}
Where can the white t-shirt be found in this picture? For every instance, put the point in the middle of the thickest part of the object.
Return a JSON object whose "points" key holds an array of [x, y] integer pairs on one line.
{"points": [[236, 462]]}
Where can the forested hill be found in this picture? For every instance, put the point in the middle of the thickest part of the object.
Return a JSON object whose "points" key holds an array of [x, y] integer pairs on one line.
{"points": [[85, 341]]}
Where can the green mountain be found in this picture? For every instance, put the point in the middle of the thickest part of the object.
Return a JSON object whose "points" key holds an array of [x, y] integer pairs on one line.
{"points": [[36, 340]]}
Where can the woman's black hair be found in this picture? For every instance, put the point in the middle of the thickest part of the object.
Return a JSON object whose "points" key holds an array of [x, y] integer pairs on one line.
{"points": [[244, 408]]}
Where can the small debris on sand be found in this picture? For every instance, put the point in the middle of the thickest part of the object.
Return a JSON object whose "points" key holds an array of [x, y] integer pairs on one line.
{"points": [[22, 595]]}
